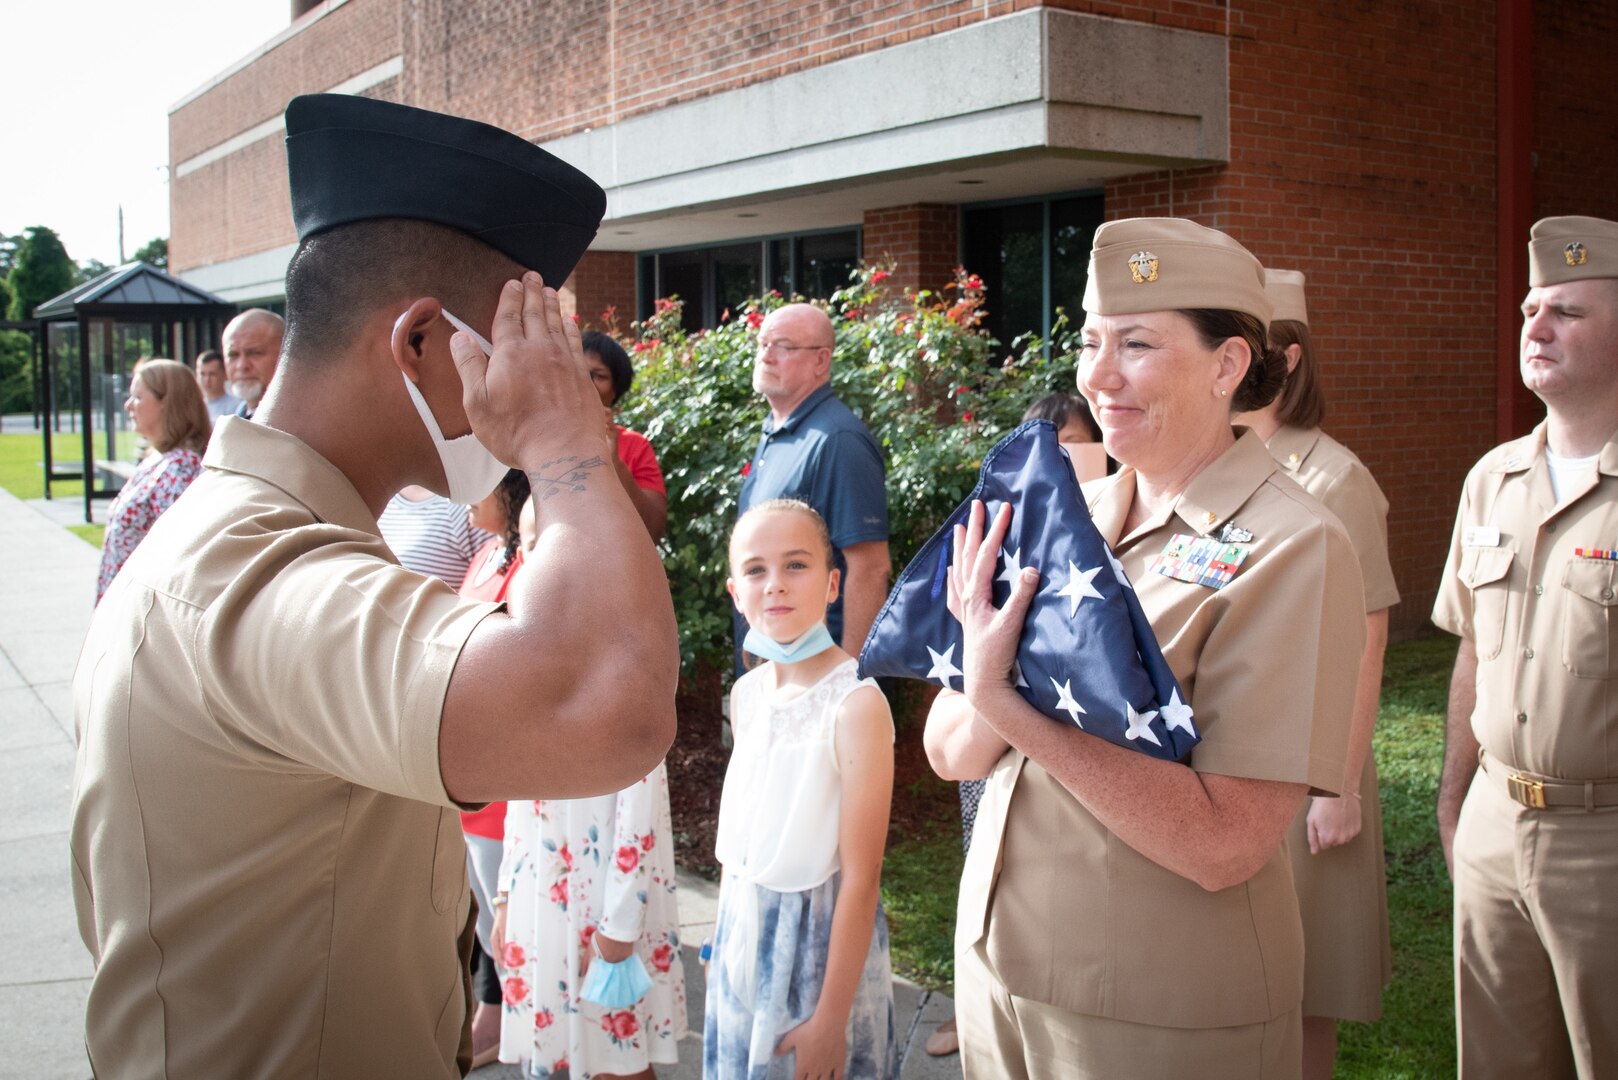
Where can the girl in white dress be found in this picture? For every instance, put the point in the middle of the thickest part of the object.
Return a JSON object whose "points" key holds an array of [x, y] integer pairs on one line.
{"points": [[583, 880], [799, 983]]}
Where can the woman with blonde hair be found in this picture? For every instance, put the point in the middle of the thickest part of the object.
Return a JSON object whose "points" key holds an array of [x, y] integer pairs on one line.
{"points": [[166, 409]]}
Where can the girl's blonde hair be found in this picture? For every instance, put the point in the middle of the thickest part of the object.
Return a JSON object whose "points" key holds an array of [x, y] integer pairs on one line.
{"points": [[794, 506], [185, 417]]}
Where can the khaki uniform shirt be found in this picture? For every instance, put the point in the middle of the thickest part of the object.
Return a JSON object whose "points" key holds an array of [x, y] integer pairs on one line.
{"points": [[1541, 615], [1340, 482], [267, 869], [1072, 916]]}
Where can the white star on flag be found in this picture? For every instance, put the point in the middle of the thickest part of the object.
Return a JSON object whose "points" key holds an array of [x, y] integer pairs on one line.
{"points": [[1177, 714], [1017, 675], [1118, 570], [1064, 699], [1140, 725], [1078, 587], [1013, 568], [944, 668]]}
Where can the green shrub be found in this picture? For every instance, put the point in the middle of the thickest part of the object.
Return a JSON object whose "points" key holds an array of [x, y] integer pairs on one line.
{"points": [[915, 367]]}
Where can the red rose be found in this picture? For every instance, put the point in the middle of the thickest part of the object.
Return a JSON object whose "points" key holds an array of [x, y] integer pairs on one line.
{"points": [[966, 417], [879, 277], [974, 282], [516, 990], [622, 1024], [852, 313], [755, 319], [559, 894], [628, 858], [663, 305], [648, 842], [776, 293], [641, 346], [662, 957], [543, 1018], [512, 956], [747, 467]]}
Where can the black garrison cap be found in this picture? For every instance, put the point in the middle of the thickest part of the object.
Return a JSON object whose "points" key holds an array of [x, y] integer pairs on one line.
{"points": [[357, 159]]}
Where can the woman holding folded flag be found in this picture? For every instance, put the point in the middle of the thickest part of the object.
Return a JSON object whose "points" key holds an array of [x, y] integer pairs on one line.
{"points": [[1123, 914]]}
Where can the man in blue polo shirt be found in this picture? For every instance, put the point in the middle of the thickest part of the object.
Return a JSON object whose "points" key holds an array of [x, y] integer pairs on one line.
{"points": [[813, 448]]}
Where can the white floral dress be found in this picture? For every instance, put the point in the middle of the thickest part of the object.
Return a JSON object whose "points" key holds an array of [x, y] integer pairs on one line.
{"points": [[571, 865]]}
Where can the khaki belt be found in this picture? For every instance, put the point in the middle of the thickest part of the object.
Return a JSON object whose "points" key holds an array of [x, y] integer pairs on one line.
{"points": [[1541, 792]]}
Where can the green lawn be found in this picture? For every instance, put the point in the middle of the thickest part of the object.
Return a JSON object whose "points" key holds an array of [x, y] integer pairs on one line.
{"points": [[1416, 1036], [22, 469]]}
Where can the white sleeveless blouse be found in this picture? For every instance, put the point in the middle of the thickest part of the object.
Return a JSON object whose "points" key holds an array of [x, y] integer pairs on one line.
{"points": [[780, 811]]}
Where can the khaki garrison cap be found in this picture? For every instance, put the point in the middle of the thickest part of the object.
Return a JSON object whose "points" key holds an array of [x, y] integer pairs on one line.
{"points": [[1285, 289], [1171, 264], [1564, 249]]}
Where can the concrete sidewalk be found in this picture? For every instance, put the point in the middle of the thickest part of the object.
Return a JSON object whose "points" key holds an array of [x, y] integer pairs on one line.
{"points": [[47, 585]]}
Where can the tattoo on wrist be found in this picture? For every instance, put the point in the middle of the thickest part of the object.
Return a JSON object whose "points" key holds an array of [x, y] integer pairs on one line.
{"points": [[563, 474]]}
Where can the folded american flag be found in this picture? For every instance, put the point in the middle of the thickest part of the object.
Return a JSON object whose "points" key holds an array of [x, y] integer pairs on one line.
{"points": [[1087, 656]]}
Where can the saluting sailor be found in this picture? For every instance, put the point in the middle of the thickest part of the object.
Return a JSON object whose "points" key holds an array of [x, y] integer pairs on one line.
{"points": [[1528, 801], [277, 722]]}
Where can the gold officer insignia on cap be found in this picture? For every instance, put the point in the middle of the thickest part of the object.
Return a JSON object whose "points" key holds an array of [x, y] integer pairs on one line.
{"points": [[1143, 267], [1575, 254]]}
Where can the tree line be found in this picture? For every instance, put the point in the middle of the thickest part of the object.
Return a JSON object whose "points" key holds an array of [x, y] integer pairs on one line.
{"points": [[34, 267]]}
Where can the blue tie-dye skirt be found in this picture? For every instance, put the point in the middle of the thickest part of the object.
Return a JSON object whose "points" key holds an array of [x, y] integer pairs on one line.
{"points": [[787, 967]]}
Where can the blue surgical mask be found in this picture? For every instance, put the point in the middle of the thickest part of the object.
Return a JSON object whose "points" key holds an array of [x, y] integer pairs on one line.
{"points": [[615, 986], [816, 641]]}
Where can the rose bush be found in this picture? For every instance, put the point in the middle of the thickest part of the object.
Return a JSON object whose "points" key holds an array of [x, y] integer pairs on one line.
{"points": [[915, 366]]}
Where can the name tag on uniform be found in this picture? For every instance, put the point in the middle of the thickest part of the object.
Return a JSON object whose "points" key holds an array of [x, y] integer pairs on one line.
{"points": [[1481, 536], [1200, 560]]}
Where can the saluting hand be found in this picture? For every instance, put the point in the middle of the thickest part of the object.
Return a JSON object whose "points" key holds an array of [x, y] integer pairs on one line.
{"points": [[533, 397]]}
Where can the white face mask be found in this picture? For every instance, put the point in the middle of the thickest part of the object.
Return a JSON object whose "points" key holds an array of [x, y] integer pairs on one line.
{"points": [[471, 470]]}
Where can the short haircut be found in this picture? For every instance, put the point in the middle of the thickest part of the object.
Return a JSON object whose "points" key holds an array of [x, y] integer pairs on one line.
{"points": [[185, 416], [1062, 410], [1303, 404], [612, 354], [337, 277], [795, 506], [209, 356]]}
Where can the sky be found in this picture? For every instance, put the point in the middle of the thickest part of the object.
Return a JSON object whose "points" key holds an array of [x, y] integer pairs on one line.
{"points": [[89, 85]]}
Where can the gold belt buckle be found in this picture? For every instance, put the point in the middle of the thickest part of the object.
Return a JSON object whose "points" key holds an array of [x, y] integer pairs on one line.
{"points": [[1526, 790]]}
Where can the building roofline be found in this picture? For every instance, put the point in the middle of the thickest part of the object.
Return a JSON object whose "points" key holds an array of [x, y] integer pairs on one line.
{"points": [[299, 25]]}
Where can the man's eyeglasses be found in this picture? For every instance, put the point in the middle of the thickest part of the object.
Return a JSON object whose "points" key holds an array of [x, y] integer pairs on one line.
{"points": [[781, 346]]}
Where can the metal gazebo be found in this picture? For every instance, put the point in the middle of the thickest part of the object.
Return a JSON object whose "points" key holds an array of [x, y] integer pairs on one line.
{"points": [[101, 328]]}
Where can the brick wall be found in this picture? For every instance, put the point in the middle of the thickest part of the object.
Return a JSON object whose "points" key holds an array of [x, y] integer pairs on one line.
{"points": [[602, 280], [1375, 176], [924, 240], [239, 205], [1577, 157]]}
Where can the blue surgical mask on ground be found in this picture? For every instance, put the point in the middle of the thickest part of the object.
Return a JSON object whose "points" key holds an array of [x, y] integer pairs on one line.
{"points": [[472, 472], [615, 986], [816, 641]]}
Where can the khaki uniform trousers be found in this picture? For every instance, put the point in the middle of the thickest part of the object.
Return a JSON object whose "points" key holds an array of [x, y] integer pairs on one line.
{"points": [[1004, 1037], [1536, 937]]}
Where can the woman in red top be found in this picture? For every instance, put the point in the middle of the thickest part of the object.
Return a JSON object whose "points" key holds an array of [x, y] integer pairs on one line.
{"points": [[638, 470], [487, 578]]}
